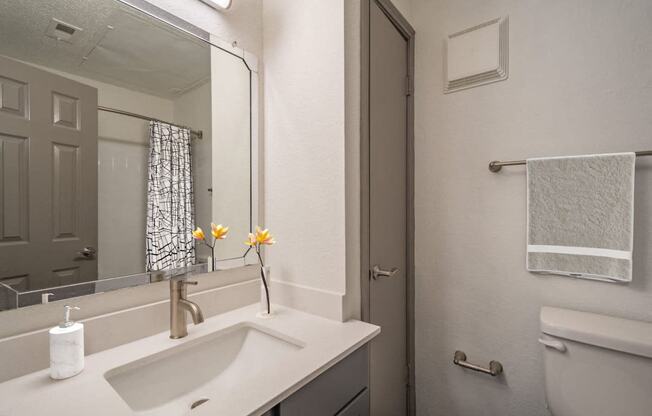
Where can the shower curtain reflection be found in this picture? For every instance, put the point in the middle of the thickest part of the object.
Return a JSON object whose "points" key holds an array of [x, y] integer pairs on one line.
{"points": [[170, 201]]}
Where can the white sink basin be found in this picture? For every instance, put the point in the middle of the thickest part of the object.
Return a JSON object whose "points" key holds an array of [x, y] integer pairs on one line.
{"points": [[172, 381]]}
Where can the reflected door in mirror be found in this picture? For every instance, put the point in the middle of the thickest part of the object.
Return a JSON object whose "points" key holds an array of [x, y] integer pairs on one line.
{"points": [[48, 178]]}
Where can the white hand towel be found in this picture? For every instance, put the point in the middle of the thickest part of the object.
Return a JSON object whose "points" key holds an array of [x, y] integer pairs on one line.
{"points": [[581, 216]]}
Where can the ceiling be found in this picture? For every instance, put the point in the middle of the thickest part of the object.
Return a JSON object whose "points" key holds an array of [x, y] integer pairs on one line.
{"points": [[116, 44]]}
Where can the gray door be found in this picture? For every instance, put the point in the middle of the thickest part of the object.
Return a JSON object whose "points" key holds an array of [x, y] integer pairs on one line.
{"points": [[388, 213], [48, 177]]}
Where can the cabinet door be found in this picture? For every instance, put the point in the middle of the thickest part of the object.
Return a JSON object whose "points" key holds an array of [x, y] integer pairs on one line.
{"points": [[333, 390], [358, 407]]}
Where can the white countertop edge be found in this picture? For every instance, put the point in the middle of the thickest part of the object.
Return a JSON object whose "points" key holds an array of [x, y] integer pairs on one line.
{"points": [[310, 377]]}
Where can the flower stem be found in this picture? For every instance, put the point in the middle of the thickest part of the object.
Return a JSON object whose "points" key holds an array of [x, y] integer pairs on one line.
{"points": [[262, 276]]}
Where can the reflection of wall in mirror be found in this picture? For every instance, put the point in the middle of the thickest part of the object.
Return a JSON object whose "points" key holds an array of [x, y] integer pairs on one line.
{"points": [[231, 149], [123, 153], [193, 108]]}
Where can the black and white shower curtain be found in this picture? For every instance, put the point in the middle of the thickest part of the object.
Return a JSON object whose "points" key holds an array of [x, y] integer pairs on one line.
{"points": [[170, 199]]}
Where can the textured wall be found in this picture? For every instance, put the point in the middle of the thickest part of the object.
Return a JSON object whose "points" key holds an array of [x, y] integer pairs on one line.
{"points": [[579, 82], [304, 143]]}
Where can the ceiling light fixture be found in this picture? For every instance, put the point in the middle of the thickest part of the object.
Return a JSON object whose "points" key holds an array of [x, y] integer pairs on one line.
{"points": [[218, 4]]}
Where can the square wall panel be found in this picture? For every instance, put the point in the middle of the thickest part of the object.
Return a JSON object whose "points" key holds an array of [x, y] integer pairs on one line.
{"points": [[14, 159], [65, 111], [66, 186], [13, 97]]}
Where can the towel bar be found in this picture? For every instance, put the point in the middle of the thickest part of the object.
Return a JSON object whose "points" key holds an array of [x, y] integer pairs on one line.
{"points": [[495, 368], [496, 165]]}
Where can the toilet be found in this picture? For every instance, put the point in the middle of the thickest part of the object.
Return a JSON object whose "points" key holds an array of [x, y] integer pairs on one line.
{"points": [[596, 365]]}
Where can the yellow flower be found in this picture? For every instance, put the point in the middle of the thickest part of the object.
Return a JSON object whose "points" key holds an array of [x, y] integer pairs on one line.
{"points": [[198, 234], [264, 237], [251, 240], [219, 232], [261, 237]]}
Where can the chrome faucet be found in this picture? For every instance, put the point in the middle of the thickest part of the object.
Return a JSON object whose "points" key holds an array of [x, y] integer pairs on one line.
{"points": [[179, 305]]}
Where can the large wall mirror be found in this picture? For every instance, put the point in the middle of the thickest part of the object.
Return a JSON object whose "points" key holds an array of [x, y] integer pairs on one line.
{"points": [[122, 129]]}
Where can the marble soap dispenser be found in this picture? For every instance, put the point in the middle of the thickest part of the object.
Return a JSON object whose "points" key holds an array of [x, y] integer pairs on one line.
{"points": [[66, 347]]}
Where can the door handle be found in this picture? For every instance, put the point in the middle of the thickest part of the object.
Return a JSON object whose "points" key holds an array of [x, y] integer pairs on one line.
{"points": [[378, 273], [87, 252]]}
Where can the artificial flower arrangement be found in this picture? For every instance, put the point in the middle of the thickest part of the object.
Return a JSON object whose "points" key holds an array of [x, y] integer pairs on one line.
{"points": [[255, 241], [218, 232]]}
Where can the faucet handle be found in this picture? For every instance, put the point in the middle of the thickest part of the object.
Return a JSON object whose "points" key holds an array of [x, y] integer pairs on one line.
{"points": [[180, 284]]}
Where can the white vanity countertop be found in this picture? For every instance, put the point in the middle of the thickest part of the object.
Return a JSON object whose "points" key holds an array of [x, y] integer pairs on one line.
{"points": [[325, 343]]}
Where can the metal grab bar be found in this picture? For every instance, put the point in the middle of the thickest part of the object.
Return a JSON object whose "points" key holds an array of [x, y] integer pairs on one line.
{"points": [[495, 368]]}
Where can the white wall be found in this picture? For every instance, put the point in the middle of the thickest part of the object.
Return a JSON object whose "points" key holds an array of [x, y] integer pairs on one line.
{"points": [[305, 150], [579, 82]]}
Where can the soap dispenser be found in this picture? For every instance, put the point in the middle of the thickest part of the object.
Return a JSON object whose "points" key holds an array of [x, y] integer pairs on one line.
{"points": [[66, 347]]}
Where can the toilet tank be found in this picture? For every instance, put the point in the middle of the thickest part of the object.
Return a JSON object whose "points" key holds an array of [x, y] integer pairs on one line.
{"points": [[596, 365]]}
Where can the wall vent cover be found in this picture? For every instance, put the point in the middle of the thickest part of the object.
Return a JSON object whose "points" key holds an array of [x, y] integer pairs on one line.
{"points": [[62, 31], [476, 56]]}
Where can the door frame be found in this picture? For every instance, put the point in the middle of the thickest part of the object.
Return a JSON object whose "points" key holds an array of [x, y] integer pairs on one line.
{"points": [[404, 27]]}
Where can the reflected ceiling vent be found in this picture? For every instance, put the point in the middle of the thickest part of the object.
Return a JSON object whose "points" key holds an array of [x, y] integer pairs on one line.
{"points": [[62, 31]]}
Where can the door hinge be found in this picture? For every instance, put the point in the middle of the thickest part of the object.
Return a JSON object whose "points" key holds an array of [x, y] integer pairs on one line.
{"points": [[408, 374], [408, 85]]}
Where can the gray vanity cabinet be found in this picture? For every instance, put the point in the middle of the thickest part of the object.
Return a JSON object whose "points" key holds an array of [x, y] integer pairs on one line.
{"points": [[342, 390], [358, 407]]}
